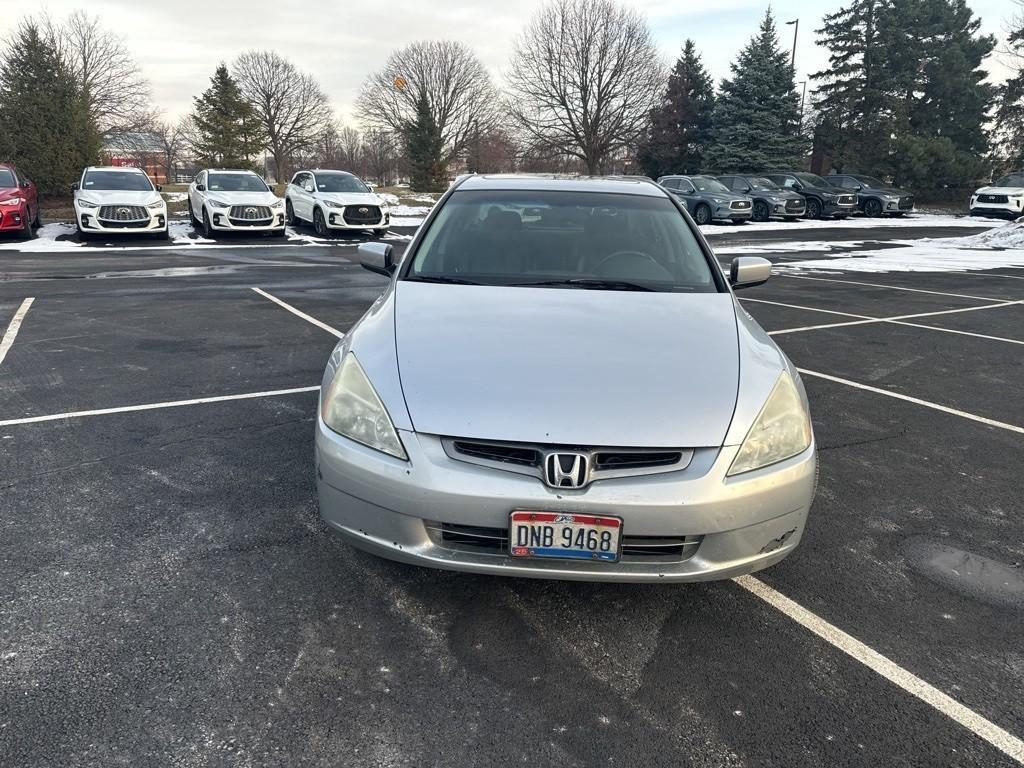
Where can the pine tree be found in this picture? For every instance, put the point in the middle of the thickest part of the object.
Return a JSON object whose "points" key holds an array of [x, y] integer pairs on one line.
{"points": [[47, 131], [225, 126], [854, 92], [1009, 138], [756, 121], [680, 127], [423, 146]]}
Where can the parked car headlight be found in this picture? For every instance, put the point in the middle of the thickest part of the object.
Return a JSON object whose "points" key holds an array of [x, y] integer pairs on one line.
{"points": [[332, 204], [351, 407], [12, 201], [217, 203], [87, 204], [156, 206], [278, 204], [781, 430]]}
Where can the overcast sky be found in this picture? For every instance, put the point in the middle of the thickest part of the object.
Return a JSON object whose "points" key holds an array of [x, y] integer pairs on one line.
{"points": [[341, 42]]}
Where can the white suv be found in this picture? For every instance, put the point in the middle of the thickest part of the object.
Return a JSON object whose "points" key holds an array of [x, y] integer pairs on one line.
{"points": [[118, 201], [1004, 198], [221, 200], [335, 200]]}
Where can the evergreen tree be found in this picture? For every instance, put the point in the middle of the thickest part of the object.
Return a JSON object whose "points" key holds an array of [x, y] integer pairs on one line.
{"points": [[680, 127], [1010, 117], [225, 127], [423, 146], [854, 95], [756, 120], [47, 131]]}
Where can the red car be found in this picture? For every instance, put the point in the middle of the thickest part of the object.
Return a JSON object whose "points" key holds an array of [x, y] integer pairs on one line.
{"points": [[19, 202]]}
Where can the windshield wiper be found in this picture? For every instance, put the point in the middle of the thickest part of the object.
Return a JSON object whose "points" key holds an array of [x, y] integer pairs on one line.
{"points": [[594, 283], [441, 279]]}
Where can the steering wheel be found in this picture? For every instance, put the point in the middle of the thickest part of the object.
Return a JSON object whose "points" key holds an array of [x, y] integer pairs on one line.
{"points": [[630, 255]]}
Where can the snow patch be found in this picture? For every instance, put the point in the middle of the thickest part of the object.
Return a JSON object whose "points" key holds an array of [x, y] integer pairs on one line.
{"points": [[1009, 235], [46, 240], [858, 222], [175, 197]]}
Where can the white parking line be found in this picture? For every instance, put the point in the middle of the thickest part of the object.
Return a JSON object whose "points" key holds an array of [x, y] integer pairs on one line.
{"points": [[156, 406], [12, 330], [909, 399], [999, 738], [299, 312], [893, 287]]}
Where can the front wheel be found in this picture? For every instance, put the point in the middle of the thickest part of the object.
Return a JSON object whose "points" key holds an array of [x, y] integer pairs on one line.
{"points": [[702, 215], [813, 209], [760, 211], [38, 223], [207, 226], [319, 225], [872, 209], [27, 233], [192, 215], [289, 214]]}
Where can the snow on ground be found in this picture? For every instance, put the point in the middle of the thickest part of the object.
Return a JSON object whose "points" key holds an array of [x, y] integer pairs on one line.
{"points": [[857, 222], [175, 197], [795, 246], [45, 240], [1007, 236]]}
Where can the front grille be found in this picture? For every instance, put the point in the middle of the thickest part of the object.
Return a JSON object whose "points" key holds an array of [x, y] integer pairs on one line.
{"points": [[486, 540], [123, 214], [634, 460], [906, 203], [512, 454], [740, 204], [795, 205], [250, 215], [1003, 199], [362, 214], [847, 200]]}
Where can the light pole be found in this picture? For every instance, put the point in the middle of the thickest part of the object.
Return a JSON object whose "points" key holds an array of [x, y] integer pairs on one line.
{"points": [[803, 96], [796, 29]]}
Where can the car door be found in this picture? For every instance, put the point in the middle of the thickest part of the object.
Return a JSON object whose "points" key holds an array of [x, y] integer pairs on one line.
{"points": [[31, 194], [195, 196], [686, 194], [302, 198]]}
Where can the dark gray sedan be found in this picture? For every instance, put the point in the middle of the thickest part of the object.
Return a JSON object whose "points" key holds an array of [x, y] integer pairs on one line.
{"points": [[707, 199], [769, 198]]}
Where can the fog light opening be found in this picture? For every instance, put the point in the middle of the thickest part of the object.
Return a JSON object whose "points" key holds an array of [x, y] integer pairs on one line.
{"points": [[778, 543]]}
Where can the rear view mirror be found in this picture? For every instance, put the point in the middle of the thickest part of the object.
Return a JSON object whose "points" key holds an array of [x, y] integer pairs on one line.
{"points": [[377, 257], [748, 271]]}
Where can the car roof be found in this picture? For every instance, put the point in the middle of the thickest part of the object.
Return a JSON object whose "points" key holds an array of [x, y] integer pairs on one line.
{"points": [[118, 168], [8, 166], [229, 170], [620, 185], [329, 170]]}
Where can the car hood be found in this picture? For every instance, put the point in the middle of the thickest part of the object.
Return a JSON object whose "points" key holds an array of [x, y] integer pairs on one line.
{"points": [[352, 198], [244, 198], [6, 193], [1000, 191], [118, 197], [570, 367]]}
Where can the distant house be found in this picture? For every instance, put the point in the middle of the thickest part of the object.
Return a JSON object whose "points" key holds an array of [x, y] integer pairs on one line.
{"points": [[136, 150]]}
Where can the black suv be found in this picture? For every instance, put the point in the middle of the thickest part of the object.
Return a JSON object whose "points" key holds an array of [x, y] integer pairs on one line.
{"points": [[769, 198], [874, 197], [822, 198]]}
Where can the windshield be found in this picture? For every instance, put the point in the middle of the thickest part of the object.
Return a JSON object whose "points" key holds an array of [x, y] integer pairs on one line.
{"points": [[339, 182], [126, 181], [1013, 180], [707, 184], [760, 183], [812, 179], [236, 182], [562, 239], [7, 179], [870, 181]]}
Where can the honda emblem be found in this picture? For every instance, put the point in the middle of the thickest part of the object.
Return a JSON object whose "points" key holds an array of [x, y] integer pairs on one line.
{"points": [[567, 470]]}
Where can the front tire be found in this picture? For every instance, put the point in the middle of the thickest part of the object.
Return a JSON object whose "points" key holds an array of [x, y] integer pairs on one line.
{"points": [[319, 224], [872, 209], [813, 209], [289, 214], [27, 232], [760, 211], [192, 215], [207, 227], [38, 223], [702, 215]]}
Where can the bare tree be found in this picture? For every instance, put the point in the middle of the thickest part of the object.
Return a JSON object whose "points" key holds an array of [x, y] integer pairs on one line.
{"points": [[350, 145], [290, 105], [456, 84], [583, 77], [117, 93], [172, 140], [381, 156]]}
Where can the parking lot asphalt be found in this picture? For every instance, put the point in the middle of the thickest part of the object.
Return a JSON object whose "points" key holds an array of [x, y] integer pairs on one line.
{"points": [[170, 597]]}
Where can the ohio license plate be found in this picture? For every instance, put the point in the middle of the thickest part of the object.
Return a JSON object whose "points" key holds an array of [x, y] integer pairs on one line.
{"points": [[565, 536]]}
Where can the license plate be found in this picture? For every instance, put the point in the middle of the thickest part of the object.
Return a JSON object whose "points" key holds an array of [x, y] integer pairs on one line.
{"points": [[565, 536]]}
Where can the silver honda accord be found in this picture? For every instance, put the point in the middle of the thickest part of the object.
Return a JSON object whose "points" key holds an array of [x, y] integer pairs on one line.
{"points": [[558, 382]]}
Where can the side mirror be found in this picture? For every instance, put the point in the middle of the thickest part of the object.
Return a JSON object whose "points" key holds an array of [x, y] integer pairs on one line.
{"points": [[159, 188], [26, 184], [75, 187], [200, 187], [308, 188], [370, 187], [748, 271], [797, 186], [378, 257]]}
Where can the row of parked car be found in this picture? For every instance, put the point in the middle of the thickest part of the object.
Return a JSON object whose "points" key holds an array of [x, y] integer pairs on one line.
{"points": [[788, 195], [124, 201]]}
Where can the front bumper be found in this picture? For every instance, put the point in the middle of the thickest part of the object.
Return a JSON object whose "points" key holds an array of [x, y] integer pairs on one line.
{"points": [[401, 511], [1013, 208], [89, 221], [787, 208], [221, 221], [335, 219], [724, 212], [12, 217], [838, 210]]}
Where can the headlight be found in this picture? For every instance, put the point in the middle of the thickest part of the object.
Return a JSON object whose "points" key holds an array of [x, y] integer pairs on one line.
{"points": [[217, 203], [350, 407], [278, 204], [87, 204], [781, 430], [156, 206], [332, 204], [12, 201]]}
